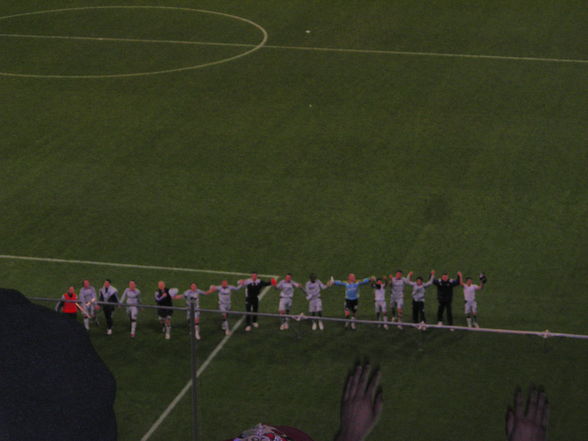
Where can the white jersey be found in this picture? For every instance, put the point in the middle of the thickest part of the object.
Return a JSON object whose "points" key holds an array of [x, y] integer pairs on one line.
{"points": [[397, 286], [193, 297], [132, 296], [469, 292], [224, 293], [418, 291], [87, 295], [287, 288], [313, 289], [379, 292]]}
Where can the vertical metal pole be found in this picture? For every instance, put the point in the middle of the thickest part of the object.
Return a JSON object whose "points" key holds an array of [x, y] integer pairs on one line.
{"points": [[194, 366]]}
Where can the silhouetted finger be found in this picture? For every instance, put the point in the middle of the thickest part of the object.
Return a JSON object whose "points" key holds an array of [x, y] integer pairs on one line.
{"points": [[347, 388], [532, 403], [355, 379], [509, 421], [545, 416], [374, 384], [541, 399], [378, 403], [365, 378], [519, 405]]}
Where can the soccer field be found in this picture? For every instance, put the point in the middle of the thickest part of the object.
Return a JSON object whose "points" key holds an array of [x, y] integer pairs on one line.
{"points": [[328, 137]]}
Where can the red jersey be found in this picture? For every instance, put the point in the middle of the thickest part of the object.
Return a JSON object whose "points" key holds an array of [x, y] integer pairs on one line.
{"points": [[68, 307]]}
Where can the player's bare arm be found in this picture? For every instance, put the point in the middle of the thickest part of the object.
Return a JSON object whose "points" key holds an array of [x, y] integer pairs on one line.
{"points": [[460, 278]]}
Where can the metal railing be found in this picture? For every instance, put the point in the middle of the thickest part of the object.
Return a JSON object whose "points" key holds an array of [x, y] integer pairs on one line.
{"points": [[299, 318]]}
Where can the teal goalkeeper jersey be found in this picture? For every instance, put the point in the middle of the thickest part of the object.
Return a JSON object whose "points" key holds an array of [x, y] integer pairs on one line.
{"points": [[352, 289]]}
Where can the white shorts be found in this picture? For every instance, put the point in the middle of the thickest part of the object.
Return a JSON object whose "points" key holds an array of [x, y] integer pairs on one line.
{"points": [[315, 305], [133, 312], [196, 314], [90, 309], [380, 305], [397, 301], [471, 307], [224, 307], [285, 304]]}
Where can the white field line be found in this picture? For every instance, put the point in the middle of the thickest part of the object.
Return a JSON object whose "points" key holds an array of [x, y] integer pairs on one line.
{"points": [[126, 40], [308, 48], [202, 368], [127, 265]]}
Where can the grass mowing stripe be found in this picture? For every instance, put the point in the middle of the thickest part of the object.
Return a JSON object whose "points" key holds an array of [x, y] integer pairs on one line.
{"points": [[127, 265], [202, 368], [305, 48]]}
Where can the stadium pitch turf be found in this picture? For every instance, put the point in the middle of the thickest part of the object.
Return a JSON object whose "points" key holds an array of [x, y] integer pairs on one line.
{"points": [[447, 136]]}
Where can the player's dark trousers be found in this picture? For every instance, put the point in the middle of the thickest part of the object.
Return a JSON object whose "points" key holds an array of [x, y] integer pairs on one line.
{"points": [[108, 310], [251, 305], [442, 307], [418, 312]]}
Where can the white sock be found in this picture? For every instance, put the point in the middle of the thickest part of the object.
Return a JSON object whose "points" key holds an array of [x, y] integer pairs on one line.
{"points": [[87, 323], [133, 327]]}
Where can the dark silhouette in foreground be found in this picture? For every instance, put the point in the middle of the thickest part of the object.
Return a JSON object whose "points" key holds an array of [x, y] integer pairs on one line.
{"points": [[528, 421], [53, 384]]}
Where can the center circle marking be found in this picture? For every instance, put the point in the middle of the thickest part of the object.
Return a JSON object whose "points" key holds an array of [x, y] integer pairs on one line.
{"points": [[139, 74]]}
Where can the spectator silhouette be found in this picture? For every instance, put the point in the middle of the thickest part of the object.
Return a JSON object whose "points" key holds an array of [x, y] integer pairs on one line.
{"points": [[53, 384]]}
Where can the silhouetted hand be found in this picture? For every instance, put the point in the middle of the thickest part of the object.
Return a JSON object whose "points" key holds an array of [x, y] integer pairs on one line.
{"points": [[361, 404], [528, 421]]}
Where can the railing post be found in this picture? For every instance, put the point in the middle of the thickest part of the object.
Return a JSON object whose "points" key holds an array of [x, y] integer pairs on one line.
{"points": [[194, 368]]}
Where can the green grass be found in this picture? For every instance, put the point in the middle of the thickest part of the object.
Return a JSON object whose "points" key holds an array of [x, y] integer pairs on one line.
{"points": [[401, 162]]}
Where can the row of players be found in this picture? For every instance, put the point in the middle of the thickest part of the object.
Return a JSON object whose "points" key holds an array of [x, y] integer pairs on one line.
{"points": [[87, 300]]}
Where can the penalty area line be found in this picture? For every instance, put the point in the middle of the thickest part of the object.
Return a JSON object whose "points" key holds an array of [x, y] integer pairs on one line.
{"points": [[199, 372], [127, 265]]}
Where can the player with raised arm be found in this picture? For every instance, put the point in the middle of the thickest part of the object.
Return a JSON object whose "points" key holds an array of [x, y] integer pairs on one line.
{"points": [[418, 299], [379, 287], [192, 295], [313, 289], [253, 287], [224, 301], [108, 294], [351, 296], [469, 296], [132, 296], [397, 284], [88, 299], [445, 287], [286, 287], [163, 297]]}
